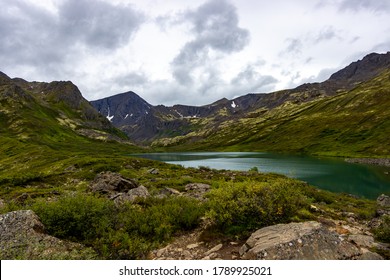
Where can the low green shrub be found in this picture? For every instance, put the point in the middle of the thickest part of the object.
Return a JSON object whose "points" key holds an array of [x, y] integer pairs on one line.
{"points": [[78, 217], [242, 207], [382, 233], [126, 231]]}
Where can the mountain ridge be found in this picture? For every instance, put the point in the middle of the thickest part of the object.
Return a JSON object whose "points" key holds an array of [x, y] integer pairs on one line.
{"points": [[178, 120]]}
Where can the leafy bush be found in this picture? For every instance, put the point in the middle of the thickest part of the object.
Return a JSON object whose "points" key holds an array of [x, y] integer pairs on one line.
{"points": [[242, 207], [78, 217], [124, 232], [382, 233]]}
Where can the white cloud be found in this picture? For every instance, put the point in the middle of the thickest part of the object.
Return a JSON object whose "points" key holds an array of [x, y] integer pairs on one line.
{"points": [[173, 51]]}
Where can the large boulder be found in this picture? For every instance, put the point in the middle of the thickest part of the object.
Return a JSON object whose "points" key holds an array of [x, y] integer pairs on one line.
{"points": [[111, 183], [197, 190], [307, 241], [131, 196], [22, 236]]}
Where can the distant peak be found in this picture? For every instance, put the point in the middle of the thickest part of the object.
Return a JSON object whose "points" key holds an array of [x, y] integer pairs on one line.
{"points": [[4, 77], [364, 69]]}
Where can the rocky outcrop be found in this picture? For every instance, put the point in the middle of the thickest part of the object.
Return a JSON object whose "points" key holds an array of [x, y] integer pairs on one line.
{"points": [[22, 236], [308, 241], [111, 183], [132, 195], [383, 202], [197, 190], [118, 188]]}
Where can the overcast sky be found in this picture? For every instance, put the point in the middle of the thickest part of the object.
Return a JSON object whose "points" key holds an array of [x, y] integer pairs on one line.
{"points": [[187, 52]]}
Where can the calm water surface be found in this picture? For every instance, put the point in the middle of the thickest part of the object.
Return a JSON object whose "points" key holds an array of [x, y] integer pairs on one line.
{"points": [[327, 173]]}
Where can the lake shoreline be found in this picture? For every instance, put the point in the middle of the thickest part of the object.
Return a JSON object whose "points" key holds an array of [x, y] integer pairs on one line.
{"points": [[370, 161]]}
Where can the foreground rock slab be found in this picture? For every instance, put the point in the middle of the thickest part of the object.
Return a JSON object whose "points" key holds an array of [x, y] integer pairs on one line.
{"points": [[298, 241], [22, 236]]}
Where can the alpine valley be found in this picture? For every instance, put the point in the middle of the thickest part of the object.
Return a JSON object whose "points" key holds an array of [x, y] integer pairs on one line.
{"points": [[345, 115], [70, 190]]}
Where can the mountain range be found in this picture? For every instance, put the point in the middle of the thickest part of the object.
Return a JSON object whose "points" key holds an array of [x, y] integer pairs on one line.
{"points": [[257, 117], [344, 115]]}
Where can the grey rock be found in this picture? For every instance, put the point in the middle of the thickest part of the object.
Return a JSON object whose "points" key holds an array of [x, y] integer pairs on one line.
{"points": [[370, 256], [141, 191], [132, 195], [110, 183], [383, 201], [308, 240], [362, 240], [214, 249], [168, 192], [197, 190], [2, 203], [153, 171], [22, 236]]}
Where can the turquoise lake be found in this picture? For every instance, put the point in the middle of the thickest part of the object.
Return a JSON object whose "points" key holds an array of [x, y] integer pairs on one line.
{"points": [[331, 174]]}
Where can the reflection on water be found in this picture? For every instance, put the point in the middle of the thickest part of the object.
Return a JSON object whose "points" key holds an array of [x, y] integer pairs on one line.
{"points": [[330, 174]]}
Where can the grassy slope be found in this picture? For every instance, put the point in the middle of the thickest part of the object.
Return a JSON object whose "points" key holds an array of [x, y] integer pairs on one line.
{"points": [[353, 123], [46, 166]]}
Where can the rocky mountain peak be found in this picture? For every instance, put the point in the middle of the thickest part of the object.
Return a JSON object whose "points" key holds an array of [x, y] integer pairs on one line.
{"points": [[362, 70], [3, 78]]}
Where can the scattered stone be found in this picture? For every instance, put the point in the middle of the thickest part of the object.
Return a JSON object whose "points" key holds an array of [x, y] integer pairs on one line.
{"points": [[70, 169], [280, 242], [132, 195], [161, 252], [171, 191], [110, 183], [153, 171], [192, 246], [197, 190], [2, 203], [22, 198], [186, 254], [214, 249], [383, 201], [213, 256]]}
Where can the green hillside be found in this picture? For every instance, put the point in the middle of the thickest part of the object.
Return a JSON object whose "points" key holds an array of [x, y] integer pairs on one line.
{"points": [[352, 123], [43, 134]]}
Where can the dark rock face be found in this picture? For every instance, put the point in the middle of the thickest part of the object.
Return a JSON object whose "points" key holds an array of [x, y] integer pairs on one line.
{"points": [[22, 236], [362, 70]]}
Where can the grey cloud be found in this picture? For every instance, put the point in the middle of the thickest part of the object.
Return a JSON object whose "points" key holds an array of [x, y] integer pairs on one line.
{"points": [[323, 75], [215, 26], [294, 46], [131, 79], [326, 33], [43, 41], [97, 23], [374, 5], [250, 80]]}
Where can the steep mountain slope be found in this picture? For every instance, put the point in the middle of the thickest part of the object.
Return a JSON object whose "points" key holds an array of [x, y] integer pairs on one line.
{"points": [[48, 130], [353, 122], [164, 126], [49, 112]]}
